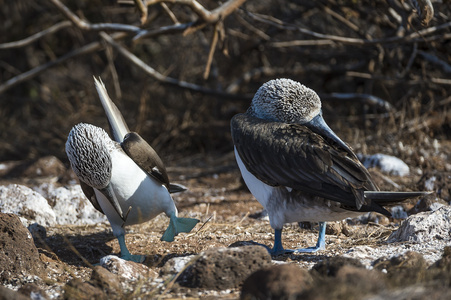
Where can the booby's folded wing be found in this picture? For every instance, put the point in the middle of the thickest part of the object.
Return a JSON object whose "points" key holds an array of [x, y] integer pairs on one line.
{"points": [[145, 157], [293, 156]]}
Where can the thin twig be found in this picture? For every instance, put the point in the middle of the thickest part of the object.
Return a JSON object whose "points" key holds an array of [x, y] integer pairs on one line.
{"points": [[435, 60], [302, 43], [94, 46], [205, 17], [170, 13], [214, 42], [410, 62], [365, 98], [413, 37], [117, 86], [83, 25], [160, 77], [142, 9], [36, 36]]}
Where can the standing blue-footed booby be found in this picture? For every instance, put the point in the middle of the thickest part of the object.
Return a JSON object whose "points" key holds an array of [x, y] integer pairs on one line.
{"points": [[297, 167], [125, 179]]}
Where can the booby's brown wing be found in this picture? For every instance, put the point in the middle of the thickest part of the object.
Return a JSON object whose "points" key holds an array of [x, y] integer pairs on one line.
{"points": [[292, 155], [91, 195], [145, 157]]}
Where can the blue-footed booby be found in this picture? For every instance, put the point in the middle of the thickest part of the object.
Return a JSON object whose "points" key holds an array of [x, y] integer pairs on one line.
{"points": [[123, 178], [297, 167]]}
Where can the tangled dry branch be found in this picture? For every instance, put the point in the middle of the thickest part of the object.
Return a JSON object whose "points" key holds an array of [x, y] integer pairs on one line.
{"points": [[204, 17]]}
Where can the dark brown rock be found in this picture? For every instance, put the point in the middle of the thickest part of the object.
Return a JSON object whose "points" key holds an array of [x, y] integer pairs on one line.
{"points": [[405, 269], [18, 253], [427, 203], [276, 282], [334, 228], [77, 289], [8, 294], [105, 280], [441, 270], [331, 266], [47, 166], [349, 283], [223, 268]]}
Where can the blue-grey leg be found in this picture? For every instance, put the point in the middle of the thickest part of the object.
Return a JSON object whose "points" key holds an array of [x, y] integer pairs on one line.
{"points": [[320, 244], [277, 249], [125, 254]]}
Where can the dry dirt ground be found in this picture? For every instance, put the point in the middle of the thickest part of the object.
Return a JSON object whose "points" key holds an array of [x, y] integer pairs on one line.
{"points": [[228, 214]]}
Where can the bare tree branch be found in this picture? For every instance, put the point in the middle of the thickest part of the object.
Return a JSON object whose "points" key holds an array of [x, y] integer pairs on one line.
{"points": [[206, 17], [411, 38], [36, 36], [212, 50], [142, 9], [94, 46], [435, 60], [88, 26], [162, 78], [365, 98]]}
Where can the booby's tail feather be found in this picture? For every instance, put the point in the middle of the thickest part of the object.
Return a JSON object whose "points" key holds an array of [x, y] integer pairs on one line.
{"points": [[376, 200], [117, 123], [176, 188], [387, 198], [177, 225]]}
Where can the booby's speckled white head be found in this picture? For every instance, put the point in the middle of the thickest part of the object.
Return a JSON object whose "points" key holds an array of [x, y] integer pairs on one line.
{"points": [[285, 100], [88, 148]]}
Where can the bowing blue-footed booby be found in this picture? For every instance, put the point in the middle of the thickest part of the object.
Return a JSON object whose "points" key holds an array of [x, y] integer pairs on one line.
{"points": [[125, 179], [297, 167]]}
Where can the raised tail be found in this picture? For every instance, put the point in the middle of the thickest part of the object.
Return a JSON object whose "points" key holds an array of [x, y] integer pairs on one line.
{"points": [[117, 123], [177, 225]]}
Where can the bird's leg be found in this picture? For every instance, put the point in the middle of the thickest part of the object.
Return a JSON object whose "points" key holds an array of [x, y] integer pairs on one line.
{"points": [[125, 254], [320, 245], [277, 249]]}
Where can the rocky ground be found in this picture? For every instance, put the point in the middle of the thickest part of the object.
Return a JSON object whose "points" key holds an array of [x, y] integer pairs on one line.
{"points": [[68, 250]]}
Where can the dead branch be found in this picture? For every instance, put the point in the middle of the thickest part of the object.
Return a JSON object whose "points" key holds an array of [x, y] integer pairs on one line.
{"points": [[435, 60], [83, 25], [411, 38], [160, 77], [89, 48], [364, 98], [142, 9], [36, 36], [212, 50], [205, 17]]}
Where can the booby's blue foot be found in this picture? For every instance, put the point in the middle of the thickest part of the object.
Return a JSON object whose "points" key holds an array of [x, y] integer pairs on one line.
{"points": [[125, 254], [320, 245], [277, 249], [177, 225]]}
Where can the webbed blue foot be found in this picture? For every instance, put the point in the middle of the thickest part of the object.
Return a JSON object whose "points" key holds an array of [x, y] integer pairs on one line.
{"points": [[320, 244], [177, 225], [125, 254], [278, 248]]}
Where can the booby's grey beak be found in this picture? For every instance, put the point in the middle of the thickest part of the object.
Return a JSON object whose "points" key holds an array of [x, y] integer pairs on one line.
{"points": [[319, 126], [109, 194]]}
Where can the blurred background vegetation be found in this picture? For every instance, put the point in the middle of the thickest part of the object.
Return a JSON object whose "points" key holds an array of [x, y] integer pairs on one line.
{"points": [[409, 69]]}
